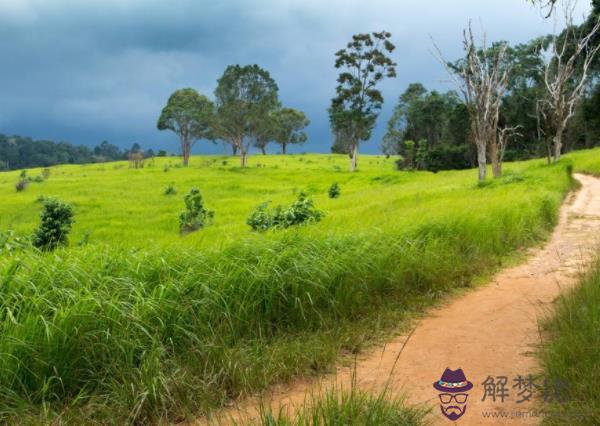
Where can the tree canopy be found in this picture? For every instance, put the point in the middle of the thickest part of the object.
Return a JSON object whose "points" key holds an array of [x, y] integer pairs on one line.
{"points": [[189, 115]]}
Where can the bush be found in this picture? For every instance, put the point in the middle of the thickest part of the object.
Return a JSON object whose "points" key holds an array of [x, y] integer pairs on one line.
{"points": [[195, 216], [170, 190], [37, 179], [301, 212], [56, 222], [334, 190], [46, 173], [21, 185]]}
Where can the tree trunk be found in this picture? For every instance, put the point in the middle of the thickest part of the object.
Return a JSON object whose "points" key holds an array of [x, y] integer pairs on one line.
{"points": [[185, 150], [495, 160], [263, 150], [558, 144], [234, 149], [481, 161], [244, 157], [283, 148], [353, 163]]}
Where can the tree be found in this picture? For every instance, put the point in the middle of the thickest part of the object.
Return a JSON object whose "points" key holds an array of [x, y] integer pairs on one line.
{"points": [[482, 77], [566, 74], [244, 98], [289, 127], [189, 115], [355, 108], [56, 222]]}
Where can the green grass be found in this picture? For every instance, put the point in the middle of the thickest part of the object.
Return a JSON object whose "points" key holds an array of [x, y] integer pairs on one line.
{"points": [[137, 324], [570, 358], [586, 161], [353, 407]]}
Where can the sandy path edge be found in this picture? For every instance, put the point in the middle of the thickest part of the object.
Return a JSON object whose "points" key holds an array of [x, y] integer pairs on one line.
{"points": [[491, 331]]}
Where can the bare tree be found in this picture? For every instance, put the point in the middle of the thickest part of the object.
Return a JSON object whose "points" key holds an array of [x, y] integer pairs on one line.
{"points": [[482, 78], [566, 74], [547, 6], [504, 135]]}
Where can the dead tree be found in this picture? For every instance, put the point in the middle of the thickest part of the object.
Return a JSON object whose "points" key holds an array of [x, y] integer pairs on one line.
{"points": [[566, 74], [482, 78], [504, 135]]}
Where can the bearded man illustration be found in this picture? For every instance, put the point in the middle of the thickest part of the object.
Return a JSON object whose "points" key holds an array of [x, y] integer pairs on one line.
{"points": [[453, 387]]}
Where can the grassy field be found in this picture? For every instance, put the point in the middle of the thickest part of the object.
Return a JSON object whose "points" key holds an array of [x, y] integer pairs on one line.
{"points": [[571, 356], [134, 323]]}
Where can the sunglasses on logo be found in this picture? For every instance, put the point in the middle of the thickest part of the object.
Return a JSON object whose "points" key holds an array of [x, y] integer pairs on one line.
{"points": [[446, 398]]}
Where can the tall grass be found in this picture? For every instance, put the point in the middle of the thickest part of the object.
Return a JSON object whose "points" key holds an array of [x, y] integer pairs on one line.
{"points": [[122, 332], [571, 358], [351, 407]]}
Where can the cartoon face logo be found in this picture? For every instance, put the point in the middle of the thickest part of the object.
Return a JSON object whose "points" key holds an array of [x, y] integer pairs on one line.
{"points": [[453, 387]]}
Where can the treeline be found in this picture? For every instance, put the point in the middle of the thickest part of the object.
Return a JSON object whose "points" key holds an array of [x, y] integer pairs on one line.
{"points": [[17, 152], [246, 112], [536, 92]]}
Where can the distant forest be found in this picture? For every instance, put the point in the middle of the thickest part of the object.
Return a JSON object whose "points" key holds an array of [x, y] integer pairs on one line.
{"points": [[431, 130], [17, 152]]}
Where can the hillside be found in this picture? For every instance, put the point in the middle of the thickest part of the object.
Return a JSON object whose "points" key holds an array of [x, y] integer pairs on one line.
{"points": [[136, 323]]}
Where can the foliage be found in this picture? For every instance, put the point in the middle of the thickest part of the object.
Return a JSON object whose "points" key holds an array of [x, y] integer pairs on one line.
{"points": [[10, 241], [301, 212], [22, 185], [334, 190], [289, 126], [195, 216], [141, 326], [352, 407], [189, 115], [244, 97], [571, 354], [170, 189], [56, 222], [364, 63]]}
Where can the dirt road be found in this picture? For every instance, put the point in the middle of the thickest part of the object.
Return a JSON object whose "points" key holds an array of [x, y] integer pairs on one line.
{"points": [[491, 331]]}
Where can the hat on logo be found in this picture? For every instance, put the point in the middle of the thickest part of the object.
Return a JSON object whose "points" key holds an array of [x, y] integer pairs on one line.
{"points": [[453, 382]]}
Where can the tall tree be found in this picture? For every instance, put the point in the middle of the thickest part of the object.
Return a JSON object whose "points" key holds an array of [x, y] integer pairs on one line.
{"points": [[482, 77], [354, 110], [566, 74], [245, 96], [289, 127], [189, 115]]}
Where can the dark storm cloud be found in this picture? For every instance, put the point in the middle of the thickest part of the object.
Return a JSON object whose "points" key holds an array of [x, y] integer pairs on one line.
{"points": [[85, 71]]}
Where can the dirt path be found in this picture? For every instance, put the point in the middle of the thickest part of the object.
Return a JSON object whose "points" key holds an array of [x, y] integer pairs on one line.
{"points": [[489, 332]]}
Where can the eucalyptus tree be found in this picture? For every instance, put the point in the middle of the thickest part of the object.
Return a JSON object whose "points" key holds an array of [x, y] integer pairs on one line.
{"points": [[244, 97], [189, 115], [364, 63]]}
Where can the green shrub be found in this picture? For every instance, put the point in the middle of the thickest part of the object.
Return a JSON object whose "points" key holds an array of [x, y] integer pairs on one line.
{"points": [[22, 185], [170, 190], [334, 190], [56, 222], [195, 216], [46, 173], [37, 179], [260, 219], [301, 212]]}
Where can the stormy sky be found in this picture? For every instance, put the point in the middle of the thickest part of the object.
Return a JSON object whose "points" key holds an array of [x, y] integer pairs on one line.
{"points": [[91, 70]]}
